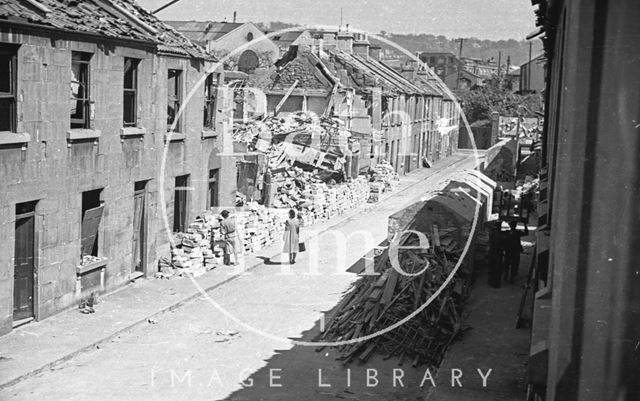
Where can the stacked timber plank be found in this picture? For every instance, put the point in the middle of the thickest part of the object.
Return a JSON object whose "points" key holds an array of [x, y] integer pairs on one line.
{"points": [[376, 302]]}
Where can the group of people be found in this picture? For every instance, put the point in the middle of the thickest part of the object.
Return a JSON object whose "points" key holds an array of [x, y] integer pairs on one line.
{"points": [[505, 248], [232, 242]]}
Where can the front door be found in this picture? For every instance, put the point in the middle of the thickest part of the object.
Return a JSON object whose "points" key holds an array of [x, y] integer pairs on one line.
{"points": [[138, 230], [24, 264]]}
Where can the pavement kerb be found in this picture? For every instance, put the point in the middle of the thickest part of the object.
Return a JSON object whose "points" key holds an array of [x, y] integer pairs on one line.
{"points": [[339, 220]]}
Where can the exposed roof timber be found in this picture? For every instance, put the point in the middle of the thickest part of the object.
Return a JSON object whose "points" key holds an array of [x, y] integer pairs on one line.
{"points": [[131, 17], [535, 33], [39, 6]]}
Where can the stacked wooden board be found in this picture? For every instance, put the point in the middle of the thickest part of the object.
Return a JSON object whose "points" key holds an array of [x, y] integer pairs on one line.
{"points": [[376, 302]]}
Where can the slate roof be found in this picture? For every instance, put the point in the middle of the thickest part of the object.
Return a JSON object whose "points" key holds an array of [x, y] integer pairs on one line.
{"points": [[366, 72], [303, 68], [204, 31], [116, 19]]}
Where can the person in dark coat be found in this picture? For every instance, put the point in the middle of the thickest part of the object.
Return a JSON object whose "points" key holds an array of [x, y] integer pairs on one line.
{"points": [[512, 250], [496, 255]]}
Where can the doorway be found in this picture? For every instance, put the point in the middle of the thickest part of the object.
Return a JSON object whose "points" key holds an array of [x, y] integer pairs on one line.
{"points": [[139, 228], [212, 190], [180, 203], [24, 262]]}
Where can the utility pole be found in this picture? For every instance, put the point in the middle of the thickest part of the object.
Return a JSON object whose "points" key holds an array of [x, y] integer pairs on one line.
{"points": [[459, 63], [165, 6], [528, 69]]}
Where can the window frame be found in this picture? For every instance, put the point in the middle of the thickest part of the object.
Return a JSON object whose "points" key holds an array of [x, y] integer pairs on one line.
{"points": [[176, 100], [84, 62], [210, 101], [12, 54], [135, 63]]}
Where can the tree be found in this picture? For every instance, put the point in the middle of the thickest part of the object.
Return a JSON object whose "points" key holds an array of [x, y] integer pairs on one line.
{"points": [[478, 103]]}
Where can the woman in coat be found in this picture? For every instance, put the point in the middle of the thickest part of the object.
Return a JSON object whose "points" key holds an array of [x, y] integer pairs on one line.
{"points": [[291, 236]]}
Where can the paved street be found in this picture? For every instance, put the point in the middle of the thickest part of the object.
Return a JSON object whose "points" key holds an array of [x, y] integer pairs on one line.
{"points": [[201, 351]]}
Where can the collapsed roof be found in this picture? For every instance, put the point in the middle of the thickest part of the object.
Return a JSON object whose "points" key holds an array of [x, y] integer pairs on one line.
{"points": [[115, 19]]}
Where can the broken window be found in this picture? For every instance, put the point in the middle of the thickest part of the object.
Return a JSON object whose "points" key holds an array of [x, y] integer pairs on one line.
{"points": [[130, 88], [180, 203], [8, 80], [80, 89], [174, 99], [92, 208], [210, 88]]}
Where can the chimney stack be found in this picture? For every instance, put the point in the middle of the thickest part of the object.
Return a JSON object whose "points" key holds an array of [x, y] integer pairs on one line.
{"points": [[361, 45], [375, 52], [345, 41], [235, 14]]}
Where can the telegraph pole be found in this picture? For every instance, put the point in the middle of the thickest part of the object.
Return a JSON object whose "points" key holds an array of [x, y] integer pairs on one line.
{"points": [[459, 62], [528, 69], [165, 6]]}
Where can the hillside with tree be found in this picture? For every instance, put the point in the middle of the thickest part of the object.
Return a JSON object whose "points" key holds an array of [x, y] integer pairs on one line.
{"points": [[484, 49]]}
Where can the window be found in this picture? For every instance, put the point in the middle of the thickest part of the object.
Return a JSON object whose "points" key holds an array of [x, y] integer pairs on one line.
{"points": [[80, 89], [174, 99], [8, 80], [210, 88], [130, 96]]}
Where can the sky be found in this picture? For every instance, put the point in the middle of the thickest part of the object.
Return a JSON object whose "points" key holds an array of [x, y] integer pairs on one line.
{"points": [[484, 19]]}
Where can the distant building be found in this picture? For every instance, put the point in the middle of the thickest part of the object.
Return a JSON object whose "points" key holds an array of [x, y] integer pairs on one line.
{"points": [[285, 40], [464, 80], [222, 39], [512, 79], [442, 63], [532, 75], [484, 69]]}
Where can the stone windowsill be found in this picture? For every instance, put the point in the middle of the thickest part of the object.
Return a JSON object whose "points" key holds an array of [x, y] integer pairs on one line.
{"points": [[83, 269], [12, 138], [79, 134], [174, 137], [132, 131], [209, 134]]}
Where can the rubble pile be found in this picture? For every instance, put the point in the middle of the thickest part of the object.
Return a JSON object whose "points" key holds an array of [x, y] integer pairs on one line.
{"points": [[316, 200], [296, 139], [192, 253], [384, 178], [259, 226], [376, 302]]}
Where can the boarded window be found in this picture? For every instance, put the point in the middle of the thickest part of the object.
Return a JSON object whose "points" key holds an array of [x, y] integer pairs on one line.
{"points": [[130, 95], [92, 208], [8, 80]]}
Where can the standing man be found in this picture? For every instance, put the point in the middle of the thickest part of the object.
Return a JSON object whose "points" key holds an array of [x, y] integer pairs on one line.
{"points": [[513, 248], [230, 237], [496, 254]]}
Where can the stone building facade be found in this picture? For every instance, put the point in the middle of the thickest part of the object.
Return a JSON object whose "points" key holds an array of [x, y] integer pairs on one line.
{"points": [[89, 170]]}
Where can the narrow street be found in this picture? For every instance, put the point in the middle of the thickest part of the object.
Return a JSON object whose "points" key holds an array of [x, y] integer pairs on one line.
{"points": [[196, 352]]}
